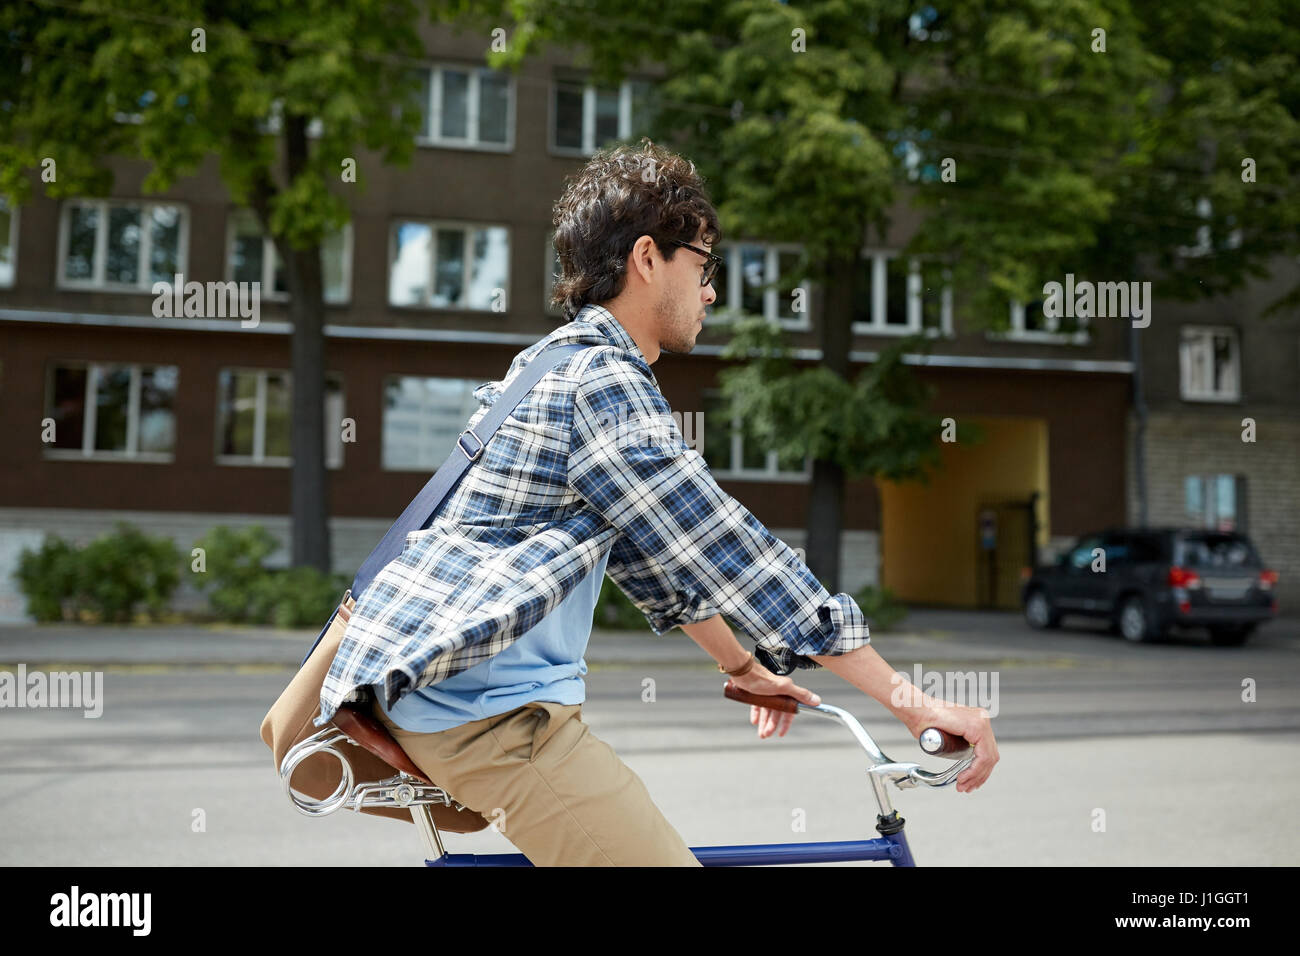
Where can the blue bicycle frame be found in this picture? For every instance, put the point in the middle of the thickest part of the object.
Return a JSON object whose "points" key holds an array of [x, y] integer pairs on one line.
{"points": [[893, 848]]}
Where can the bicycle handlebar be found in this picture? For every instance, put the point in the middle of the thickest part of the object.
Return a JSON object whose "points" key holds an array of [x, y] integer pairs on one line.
{"points": [[940, 743], [934, 741], [782, 702]]}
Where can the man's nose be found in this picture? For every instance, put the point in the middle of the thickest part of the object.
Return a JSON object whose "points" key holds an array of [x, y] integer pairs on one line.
{"points": [[710, 293]]}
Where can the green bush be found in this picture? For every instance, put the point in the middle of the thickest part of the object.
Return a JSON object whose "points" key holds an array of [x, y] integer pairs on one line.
{"points": [[48, 578], [117, 571], [106, 578], [232, 569], [297, 597], [615, 611], [881, 607], [241, 589]]}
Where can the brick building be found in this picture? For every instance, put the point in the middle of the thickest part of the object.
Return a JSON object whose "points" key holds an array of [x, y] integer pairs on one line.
{"points": [[1222, 388], [178, 424]]}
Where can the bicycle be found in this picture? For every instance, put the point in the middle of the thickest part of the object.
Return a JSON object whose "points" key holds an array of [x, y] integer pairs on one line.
{"points": [[410, 789]]}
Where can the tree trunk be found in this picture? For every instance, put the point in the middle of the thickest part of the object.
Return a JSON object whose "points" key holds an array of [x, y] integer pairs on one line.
{"points": [[826, 502], [309, 509]]}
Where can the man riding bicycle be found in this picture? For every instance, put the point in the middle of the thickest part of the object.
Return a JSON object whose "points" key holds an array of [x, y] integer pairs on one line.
{"points": [[471, 643]]}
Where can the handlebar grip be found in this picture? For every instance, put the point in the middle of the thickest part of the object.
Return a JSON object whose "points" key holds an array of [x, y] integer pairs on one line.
{"points": [[940, 743], [782, 702]]}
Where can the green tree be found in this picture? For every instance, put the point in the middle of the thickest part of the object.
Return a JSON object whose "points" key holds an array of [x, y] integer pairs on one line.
{"points": [[174, 83], [1037, 137], [878, 425]]}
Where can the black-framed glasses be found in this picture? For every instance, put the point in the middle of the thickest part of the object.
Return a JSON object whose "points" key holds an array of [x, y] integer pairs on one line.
{"points": [[710, 267]]}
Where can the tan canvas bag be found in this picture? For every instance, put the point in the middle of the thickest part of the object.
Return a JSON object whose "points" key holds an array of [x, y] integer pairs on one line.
{"points": [[289, 721]]}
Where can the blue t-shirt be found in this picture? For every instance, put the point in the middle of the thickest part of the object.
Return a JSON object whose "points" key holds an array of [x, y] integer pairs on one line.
{"points": [[545, 663]]}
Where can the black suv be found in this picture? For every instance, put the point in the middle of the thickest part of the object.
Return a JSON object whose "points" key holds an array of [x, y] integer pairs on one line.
{"points": [[1155, 579]]}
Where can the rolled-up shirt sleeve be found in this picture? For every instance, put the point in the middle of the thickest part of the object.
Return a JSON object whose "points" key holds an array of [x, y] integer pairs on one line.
{"points": [[649, 587], [685, 549]]}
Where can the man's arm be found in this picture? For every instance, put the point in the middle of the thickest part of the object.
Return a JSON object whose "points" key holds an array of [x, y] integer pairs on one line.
{"points": [[717, 640], [863, 668], [870, 673], [628, 460], [648, 586]]}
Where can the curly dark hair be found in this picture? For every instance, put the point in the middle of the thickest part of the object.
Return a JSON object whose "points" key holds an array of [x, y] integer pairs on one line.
{"points": [[623, 193]]}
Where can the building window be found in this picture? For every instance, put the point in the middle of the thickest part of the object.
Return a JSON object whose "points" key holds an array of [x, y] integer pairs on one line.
{"points": [[760, 279], [465, 106], [1027, 323], [423, 417], [120, 246], [251, 256], [1205, 240], [585, 117], [1217, 502], [894, 295], [8, 243], [1210, 365], [731, 450], [254, 417], [111, 411], [449, 266]]}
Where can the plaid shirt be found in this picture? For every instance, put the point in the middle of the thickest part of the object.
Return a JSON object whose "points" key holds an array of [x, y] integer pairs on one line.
{"points": [[591, 460]]}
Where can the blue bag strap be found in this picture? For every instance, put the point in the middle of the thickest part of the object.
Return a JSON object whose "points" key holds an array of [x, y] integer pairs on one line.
{"points": [[425, 505]]}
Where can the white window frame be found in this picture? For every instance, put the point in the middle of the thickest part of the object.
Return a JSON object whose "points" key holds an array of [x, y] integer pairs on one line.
{"points": [[730, 251], [270, 254], [770, 473], [259, 458], [1207, 333], [433, 109], [97, 282], [425, 468], [1209, 517], [467, 265], [880, 259], [90, 411], [13, 242], [1016, 331], [589, 114]]}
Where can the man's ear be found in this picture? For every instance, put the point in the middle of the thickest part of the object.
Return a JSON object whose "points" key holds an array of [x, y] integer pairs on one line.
{"points": [[643, 258]]}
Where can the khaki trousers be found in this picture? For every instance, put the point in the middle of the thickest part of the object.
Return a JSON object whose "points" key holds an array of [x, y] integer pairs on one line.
{"points": [[553, 789]]}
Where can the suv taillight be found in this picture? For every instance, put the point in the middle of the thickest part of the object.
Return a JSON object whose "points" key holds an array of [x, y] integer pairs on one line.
{"points": [[1180, 577], [1267, 579]]}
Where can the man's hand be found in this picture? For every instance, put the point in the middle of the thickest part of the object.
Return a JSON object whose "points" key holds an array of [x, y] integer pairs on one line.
{"points": [[760, 680], [869, 672], [974, 724]]}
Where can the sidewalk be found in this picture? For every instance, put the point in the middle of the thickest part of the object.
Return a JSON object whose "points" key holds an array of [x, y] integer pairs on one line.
{"points": [[924, 634]]}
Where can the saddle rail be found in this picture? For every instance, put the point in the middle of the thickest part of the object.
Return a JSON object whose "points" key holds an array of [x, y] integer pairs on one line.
{"points": [[430, 805]]}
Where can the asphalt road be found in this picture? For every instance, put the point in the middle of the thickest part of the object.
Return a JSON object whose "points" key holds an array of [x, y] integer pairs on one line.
{"points": [[1112, 754]]}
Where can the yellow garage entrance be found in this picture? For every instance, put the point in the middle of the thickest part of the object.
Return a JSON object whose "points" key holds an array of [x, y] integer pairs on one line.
{"points": [[962, 539]]}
